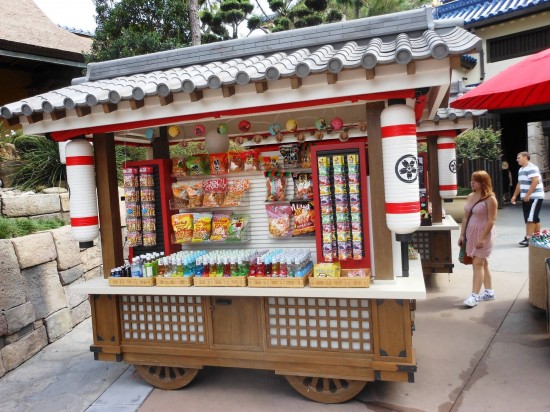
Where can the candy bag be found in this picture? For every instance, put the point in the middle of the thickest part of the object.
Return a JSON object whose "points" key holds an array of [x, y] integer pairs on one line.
{"points": [[276, 187], [178, 167], [278, 218], [202, 226], [250, 161], [235, 192], [214, 192], [183, 227], [303, 186], [197, 165], [304, 218], [181, 195], [235, 161], [218, 163], [195, 194], [270, 162], [220, 227], [237, 227]]}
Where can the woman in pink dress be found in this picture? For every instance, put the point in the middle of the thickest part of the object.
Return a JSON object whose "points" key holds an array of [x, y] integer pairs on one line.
{"points": [[480, 214]]}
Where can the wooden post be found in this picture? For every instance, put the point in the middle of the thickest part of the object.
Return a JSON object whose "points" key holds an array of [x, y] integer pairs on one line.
{"points": [[107, 196], [433, 176], [161, 148], [381, 235]]}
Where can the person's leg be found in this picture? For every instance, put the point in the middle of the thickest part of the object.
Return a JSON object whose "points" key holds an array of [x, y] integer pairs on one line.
{"points": [[537, 227], [530, 229], [479, 274], [487, 280]]}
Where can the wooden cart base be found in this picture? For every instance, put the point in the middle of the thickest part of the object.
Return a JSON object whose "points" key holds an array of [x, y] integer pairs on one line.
{"points": [[327, 348]]}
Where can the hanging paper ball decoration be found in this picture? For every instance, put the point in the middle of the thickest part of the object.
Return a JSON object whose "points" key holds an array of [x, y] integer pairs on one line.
{"points": [[362, 126], [337, 123], [279, 137], [244, 126], [202, 146], [173, 131], [320, 124], [301, 137], [222, 129], [291, 125], [257, 138], [344, 136], [183, 143], [275, 128], [239, 140], [319, 135], [199, 130]]}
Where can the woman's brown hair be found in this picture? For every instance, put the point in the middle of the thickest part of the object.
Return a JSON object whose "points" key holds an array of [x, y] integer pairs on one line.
{"points": [[482, 177]]}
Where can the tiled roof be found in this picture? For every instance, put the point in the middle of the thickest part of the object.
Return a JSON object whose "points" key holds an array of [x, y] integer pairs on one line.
{"points": [[476, 11], [395, 38]]}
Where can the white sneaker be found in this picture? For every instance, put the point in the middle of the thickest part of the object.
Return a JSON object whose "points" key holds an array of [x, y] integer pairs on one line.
{"points": [[470, 301], [486, 295]]}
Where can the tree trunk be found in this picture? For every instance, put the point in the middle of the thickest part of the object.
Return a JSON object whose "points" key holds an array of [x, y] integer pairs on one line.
{"points": [[195, 22]]}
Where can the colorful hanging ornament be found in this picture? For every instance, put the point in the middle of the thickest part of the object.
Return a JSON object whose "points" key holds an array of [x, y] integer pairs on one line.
{"points": [[275, 128], [202, 146], [337, 123], [239, 140], [362, 126], [319, 135], [222, 129], [199, 130], [183, 143], [344, 136], [301, 137], [279, 137], [320, 124], [244, 126], [173, 131], [291, 125], [257, 138]]}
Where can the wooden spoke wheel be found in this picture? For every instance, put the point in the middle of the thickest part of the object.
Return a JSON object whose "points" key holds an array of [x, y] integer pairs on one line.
{"points": [[166, 377], [326, 390]]}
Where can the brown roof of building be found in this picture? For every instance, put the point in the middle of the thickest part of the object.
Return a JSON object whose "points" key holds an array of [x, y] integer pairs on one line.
{"points": [[25, 28]]}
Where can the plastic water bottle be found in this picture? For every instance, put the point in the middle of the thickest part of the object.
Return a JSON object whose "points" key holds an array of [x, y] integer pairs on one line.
{"points": [[199, 267], [135, 269]]}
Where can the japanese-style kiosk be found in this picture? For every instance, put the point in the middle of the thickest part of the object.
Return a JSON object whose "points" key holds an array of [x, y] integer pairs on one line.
{"points": [[327, 119]]}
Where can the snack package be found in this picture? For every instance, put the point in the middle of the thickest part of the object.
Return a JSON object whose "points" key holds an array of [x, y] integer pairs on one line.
{"points": [[270, 162], [149, 224], [305, 155], [134, 239], [147, 194], [198, 165], [237, 227], [133, 224], [276, 186], [146, 176], [235, 162], [131, 194], [236, 189], [149, 239], [220, 227], [195, 194], [303, 186], [278, 218], [290, 153], [178, 167], [250, 161], [132, 209], [181, 195], [183, 227], [131, 177], [304, 218], [214, 192], [202, 226], [218, 163], [148, 209]]}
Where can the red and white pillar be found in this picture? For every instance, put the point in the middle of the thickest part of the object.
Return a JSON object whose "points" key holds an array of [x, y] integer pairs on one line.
{"points": [[400, 158], [446, 165], [83, 197]]}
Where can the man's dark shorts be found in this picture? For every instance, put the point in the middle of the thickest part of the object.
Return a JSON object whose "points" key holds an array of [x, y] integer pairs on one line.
{"points": [[531, 210]]}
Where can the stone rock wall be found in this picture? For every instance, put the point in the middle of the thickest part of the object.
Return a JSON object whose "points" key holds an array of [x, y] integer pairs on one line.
{"points": [[37, 302], [536, 144]]}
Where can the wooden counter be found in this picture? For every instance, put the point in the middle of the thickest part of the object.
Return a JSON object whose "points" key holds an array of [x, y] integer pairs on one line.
{"points": [[433, 243]]}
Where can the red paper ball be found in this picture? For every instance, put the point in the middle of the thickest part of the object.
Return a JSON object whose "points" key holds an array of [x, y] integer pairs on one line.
{"points": [[200, 130], [244, 126], [337, 123]]}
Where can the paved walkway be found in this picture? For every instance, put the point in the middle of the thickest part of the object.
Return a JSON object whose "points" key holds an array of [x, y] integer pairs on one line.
{"points": [[495, 356]]}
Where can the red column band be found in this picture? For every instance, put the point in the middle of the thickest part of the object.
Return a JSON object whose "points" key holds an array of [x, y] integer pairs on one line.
{"points": [[80, 160], [403, 208], [446, 146], [448, 187], [84, 221], [398, 130]]}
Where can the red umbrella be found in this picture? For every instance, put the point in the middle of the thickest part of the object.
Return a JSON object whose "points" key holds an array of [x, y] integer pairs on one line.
{"points": [[524, 84]]}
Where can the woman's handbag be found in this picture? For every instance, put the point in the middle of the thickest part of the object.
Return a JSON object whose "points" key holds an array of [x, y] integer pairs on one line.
{"points": [[462, 256]]}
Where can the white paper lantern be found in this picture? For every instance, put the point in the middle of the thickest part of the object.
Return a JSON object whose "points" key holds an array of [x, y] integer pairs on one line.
{"points": [[446, 165], [62, 156], [83, 197], [400, 158]]}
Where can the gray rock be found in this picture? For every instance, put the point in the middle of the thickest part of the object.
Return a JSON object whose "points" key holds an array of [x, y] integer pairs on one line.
{"points": [[70, 275], [81, 312], [68, 252], [94, 273], [20, 316], [65, 203], [38, 323], [12, 288], [58, 324], [2, 368], [54, 190], [91, 257], [75, 298], [56, 215], [18, 352], [34, 249], [27, 205], [44, 290], [3, 325]]}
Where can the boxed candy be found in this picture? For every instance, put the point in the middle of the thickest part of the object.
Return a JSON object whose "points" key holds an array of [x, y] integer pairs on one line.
{"points": [[327, 270]]}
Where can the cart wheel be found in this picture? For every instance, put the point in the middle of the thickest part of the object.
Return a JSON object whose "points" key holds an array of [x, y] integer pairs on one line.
{"points": [[166, 377], [326, 390]]}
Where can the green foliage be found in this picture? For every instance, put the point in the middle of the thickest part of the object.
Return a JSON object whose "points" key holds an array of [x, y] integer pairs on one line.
{"points": [[478, 143], [40, 164], [226, 13], [16, 227], [127, 154], [463, 191], [133, 27]]}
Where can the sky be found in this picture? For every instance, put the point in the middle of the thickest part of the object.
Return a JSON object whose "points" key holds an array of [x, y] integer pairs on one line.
{"points": [[79, 14]]}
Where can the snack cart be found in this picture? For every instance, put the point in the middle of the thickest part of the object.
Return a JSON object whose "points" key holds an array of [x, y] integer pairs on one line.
{"points": [[352, 93]]}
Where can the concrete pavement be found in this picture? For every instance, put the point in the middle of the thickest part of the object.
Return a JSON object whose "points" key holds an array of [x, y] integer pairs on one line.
{"points": [[495, 356]]}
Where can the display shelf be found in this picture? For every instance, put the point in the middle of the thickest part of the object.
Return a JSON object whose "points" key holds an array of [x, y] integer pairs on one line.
{"points": [[221, 175], [289, 169], [230, 281], [175, 281], [245, 238], [272, 282], [243, 204]]}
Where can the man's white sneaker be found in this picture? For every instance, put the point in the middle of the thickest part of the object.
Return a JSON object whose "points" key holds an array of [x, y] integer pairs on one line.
{"points": [[470, 301], [486, 295]]}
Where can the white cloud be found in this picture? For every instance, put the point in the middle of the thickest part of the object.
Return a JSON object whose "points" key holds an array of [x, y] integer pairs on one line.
{"points": [[79, 14]]}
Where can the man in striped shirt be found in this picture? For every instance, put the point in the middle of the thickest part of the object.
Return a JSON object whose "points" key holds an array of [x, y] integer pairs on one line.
{"points": [[531, 192]]}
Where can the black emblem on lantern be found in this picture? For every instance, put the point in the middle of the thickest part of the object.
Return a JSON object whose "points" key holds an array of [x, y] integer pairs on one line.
{"points": [[452, 166], [406, 168]]}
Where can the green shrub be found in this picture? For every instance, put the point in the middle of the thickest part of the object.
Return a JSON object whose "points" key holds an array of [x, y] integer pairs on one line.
{"points": [[125, 153], [463, 191], [478, 143], [16, 227]]}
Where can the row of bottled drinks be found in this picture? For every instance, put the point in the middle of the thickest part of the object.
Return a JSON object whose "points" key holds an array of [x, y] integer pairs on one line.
{"points": [[220, 263]]}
